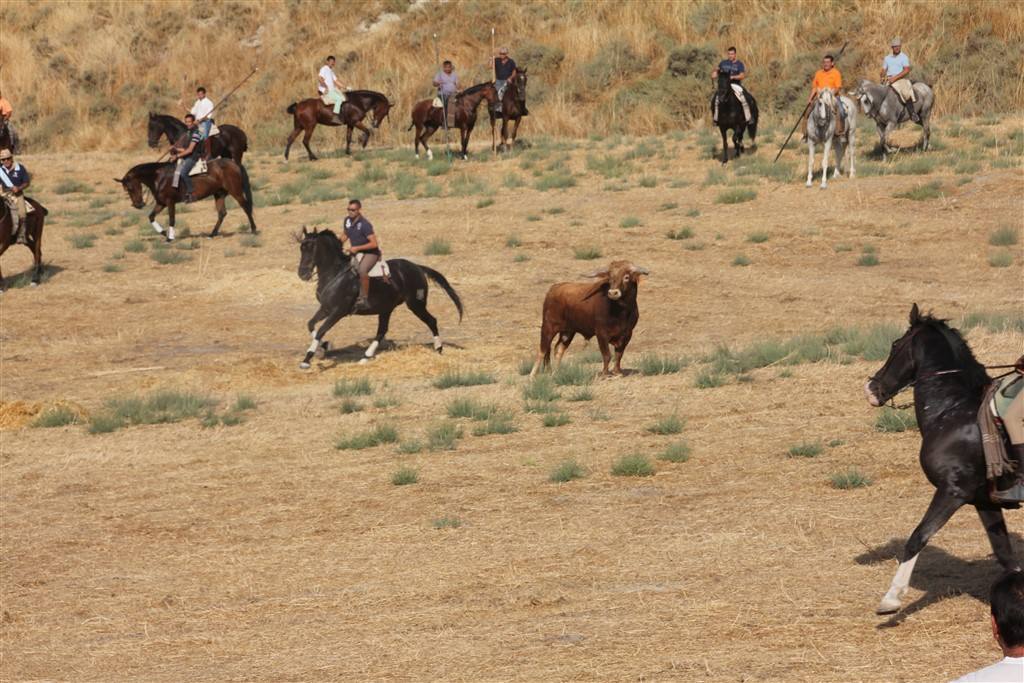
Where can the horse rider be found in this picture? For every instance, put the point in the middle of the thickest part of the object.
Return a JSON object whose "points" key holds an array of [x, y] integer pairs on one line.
{"points": [[187, 156], [1011, 391], [363, 243], [896, 74], [504, 71], [202, 110], [829, 78], [737, 72], [328, 85], [6, 111], [14, 180], [447, 83]]}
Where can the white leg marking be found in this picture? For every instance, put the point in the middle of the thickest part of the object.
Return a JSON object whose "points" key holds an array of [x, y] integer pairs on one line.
{"points": [[810, 163], [371, 349], [430, 154], [170, 234], [824, 164], [898, 588], [437, 342], [417, 155], [159, 228], [313, 346]]}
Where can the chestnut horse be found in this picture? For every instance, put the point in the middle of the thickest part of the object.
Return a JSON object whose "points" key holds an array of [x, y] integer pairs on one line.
{"points": [[223, 177], [307, 113], [513, 108], [427, 118], [33, 232]]}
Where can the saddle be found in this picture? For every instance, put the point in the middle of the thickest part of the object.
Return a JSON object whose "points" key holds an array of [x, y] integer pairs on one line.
{"points": [[329, 102], [995, 401], [380, 268], [198, 169], [214, 130]]}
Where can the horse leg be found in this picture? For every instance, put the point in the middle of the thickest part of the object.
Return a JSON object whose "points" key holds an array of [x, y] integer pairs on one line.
{"points": [[37, 254], [942, 507], [170, 222], [427, 132], [995, 527], [383, 321], [152, 218], [221, 212], [494, 142], [725, 145], [737, 140], [810, 162], [318, 337], [305, 143], [824, 163], [464, 139], [515, 130], [419, 309], [291, 139], [850, 150], [366, 133], [926, 132], [348, 139], [3, 248]]}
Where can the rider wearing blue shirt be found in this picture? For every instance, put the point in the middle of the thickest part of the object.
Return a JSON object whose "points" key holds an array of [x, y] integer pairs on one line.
{"points": [[737, 72], [361, 240], [14, 180]]}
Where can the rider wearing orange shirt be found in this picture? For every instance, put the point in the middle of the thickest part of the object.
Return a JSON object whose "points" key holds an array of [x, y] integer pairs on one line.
{"points": [[828, 78]]}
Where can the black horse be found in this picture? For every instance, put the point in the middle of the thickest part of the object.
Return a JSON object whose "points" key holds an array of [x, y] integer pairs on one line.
{"points": [[231, 143], [338, 286], [948, 385], [7, 138], [513, 108], [730, 115]]}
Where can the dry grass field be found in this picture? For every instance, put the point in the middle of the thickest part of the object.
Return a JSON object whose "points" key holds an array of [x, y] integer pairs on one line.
{"points": [[242, 543]]}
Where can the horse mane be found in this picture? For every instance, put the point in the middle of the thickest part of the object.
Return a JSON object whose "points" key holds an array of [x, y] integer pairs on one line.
{"points": [[373, 94], [974, 372], [148, 169], [329, 235], [473, 89]]}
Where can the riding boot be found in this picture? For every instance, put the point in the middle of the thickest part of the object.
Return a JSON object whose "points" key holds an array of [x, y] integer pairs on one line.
{"points": [[362, 303], [1015, 493]]}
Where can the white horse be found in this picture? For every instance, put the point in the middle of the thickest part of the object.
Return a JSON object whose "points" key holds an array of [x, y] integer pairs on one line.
{"points": [[821, 127]]}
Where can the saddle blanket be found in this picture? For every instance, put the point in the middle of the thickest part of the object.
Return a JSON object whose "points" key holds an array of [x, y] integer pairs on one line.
{"points": [[380, 268], [995, 401], [12, 204], [214, 130], [199, 168], [437, 103], [329, 102]]}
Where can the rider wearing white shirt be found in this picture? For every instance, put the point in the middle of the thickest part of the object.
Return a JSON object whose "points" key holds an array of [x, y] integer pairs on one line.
{"points": [[203, 111], [329, 85]]}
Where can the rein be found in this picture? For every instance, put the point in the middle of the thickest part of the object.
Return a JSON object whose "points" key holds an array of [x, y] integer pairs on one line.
{"points": [[903, 406]]}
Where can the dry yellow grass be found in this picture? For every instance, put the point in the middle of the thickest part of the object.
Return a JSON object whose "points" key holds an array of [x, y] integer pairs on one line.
{"points": [[259, 552], [143, 56]]}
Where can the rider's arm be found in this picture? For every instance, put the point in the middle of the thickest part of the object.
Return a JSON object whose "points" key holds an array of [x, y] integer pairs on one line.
{"points": [[370, 244], [24, 185], [740, 76], [902, 74]]}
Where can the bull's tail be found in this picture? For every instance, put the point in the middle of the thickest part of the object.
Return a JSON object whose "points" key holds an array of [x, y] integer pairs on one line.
{"points": [[246, 187], [292, 107], [443, 284]]}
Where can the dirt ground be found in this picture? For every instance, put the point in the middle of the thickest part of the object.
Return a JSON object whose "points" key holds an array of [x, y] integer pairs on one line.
{"points": [[261, 552]]}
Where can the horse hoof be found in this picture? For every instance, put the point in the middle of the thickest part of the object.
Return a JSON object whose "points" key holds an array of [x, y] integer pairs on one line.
{"points": [[33, 284], [888, 606], [809, 184], [364, 361], [304, 365]]}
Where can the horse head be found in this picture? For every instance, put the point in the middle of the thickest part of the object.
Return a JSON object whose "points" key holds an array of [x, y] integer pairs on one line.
{"points": [[319, 251], [822, 111], [520, 84], [133, 186], [865, 96], [381, 108], [724, 85], [154, 130]]}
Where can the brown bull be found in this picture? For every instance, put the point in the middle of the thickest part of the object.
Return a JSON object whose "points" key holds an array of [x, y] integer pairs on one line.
{"points": [[605, 309]]}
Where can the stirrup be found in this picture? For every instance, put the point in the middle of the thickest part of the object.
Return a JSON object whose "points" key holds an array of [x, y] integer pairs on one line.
{"points": [[1014, 494]]}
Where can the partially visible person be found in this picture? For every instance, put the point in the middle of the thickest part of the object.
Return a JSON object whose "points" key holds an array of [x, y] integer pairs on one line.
{"points": [[328, 84], [362, 241], [6, 112], [896, 73], [202, 110], [447, 83], [829, 78], [14, 180], [187, 156], [1007, 604], [1009, 397], [737, 71]]}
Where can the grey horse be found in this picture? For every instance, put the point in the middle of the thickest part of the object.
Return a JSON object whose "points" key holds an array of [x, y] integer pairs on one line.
{"points": [[881, 103], [821, 127]]}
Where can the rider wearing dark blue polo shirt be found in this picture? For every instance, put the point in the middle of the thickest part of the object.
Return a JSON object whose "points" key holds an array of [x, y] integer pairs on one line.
{"points": [[737, 72]]}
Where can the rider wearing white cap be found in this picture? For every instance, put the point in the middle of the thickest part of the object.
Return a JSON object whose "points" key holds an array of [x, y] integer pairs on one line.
{"points": [[895, 72], [14, 180]]}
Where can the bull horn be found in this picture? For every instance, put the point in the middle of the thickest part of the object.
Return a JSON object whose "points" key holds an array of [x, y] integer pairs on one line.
{"points": [[641, 270], [118, 180], [597, 273]]}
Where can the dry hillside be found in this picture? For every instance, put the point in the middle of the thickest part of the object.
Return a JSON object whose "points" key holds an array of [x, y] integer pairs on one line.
{"points": [[636, 67]]}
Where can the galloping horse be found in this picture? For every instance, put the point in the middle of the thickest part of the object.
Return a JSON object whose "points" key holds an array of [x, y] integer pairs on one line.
{"points": [[513, 108], [883, 106], [231, 143], [33, 233], [821, 127], [427, 118], [223, 177], [307, 113], [338, 285], [948, 386], [731, 116]]}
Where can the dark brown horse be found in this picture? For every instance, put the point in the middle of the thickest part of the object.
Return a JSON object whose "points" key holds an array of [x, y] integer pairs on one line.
{"points": [[427, 118], [33, 233], [513, 108], [231, 143], [223, 177], [307, 113]]}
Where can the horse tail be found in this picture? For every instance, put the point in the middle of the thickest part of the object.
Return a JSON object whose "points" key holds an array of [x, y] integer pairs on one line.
{"points": [[246, 187], [292, 107], [443, 284]]}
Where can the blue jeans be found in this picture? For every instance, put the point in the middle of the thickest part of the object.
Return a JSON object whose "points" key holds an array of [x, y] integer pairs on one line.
{"points": [[204, 128], [186, 166]]}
